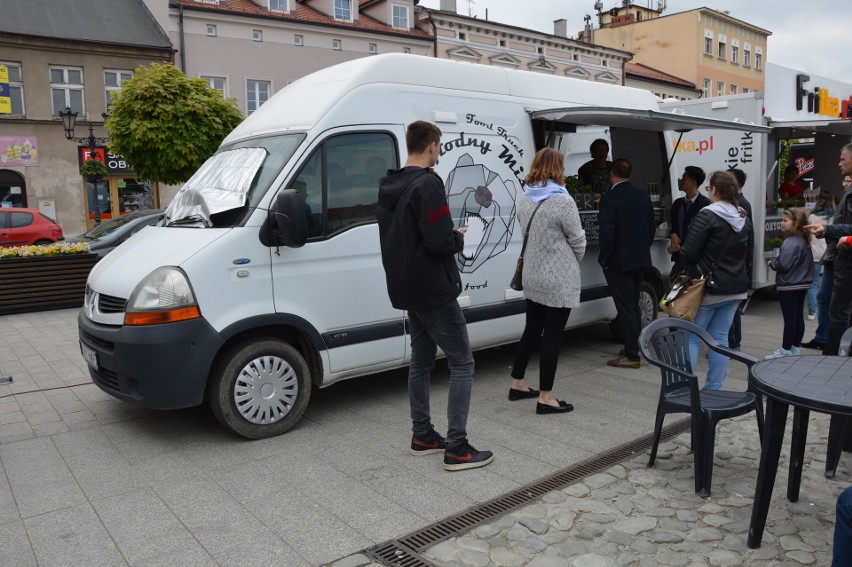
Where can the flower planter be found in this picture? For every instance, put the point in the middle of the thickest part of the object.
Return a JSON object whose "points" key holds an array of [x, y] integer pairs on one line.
{"points": [[42, 283]]}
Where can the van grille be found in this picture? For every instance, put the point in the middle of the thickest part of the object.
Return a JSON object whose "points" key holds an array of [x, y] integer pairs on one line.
{"points": [[107, 379], [110, 304]]}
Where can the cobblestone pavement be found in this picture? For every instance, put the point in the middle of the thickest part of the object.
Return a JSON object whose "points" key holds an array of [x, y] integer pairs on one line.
{"points": [[635, 515]]}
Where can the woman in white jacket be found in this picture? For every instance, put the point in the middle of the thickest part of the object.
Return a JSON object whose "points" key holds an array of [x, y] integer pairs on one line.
{"points": [[551, 275]]}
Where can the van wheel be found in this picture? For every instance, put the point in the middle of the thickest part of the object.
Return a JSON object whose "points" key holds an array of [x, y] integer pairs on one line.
{"points": [[260, 388], [649, 305]]}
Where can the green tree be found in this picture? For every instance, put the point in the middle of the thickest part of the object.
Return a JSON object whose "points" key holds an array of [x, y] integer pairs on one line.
{"points": [[166, 124]]}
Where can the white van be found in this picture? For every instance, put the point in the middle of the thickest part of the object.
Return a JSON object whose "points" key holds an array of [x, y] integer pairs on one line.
{"points": [[267, 278]]}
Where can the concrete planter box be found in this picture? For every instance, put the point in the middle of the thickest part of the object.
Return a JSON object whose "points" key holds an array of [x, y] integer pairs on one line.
{"points": [[42, 283]]}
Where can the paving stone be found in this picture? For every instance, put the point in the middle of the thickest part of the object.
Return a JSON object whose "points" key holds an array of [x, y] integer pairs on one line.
{"points": [[487, 531], [534, 525], [507, 558], [473, 558], [563, 520], [671, 558], [802, 557], [660, 536], [724, 558], [634, 526], [553, 498], [592, 560], [357, 560]]}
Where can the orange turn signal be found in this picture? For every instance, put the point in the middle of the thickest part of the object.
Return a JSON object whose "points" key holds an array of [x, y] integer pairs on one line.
{"points": [[161, 317]]}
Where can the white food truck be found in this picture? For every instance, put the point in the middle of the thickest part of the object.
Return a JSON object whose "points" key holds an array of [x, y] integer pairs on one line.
{"points": [[267, 278]]}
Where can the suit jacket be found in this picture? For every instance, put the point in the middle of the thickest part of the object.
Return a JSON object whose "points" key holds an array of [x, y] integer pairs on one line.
{"points": [[682, 218], [626, 221]]}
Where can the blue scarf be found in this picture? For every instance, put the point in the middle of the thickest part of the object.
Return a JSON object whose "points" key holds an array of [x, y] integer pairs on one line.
{"points": [[541, 191]]}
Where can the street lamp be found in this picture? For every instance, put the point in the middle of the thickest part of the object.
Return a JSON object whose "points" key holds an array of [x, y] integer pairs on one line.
{"points": [[69, 120]]}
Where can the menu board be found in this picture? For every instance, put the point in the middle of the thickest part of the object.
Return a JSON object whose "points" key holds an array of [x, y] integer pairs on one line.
{"points": [[589, 220]]}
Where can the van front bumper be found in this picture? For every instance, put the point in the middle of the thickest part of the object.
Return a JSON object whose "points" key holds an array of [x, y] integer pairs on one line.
{"points": [[157, 366]]}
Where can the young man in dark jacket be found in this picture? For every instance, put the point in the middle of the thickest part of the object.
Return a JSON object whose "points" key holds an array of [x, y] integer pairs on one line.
{"points": [[419, 245]]}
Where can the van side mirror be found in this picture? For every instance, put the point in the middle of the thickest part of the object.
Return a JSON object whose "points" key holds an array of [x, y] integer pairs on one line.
{"points": [[286, 224]]}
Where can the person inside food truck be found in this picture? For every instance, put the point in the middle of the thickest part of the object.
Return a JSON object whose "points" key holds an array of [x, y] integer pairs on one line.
{"points": [[790, 189]]}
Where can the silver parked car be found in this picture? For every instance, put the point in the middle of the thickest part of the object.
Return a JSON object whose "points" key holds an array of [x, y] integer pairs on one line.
{"points": [[103, 238]]}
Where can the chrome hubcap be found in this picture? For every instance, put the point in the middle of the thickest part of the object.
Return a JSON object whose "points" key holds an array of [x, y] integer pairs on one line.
{"points": [[266, 390], [646, 307]]}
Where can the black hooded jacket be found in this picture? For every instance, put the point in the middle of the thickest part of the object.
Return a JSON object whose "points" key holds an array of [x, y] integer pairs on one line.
{"points": [[418, 239]]}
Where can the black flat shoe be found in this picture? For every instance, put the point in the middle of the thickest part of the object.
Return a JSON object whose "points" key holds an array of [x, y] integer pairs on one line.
{"points": [[515, 395], [814, 345], [564, 407]]}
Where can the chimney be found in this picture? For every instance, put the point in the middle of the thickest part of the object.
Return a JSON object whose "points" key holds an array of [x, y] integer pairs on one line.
{"points": [[560, 27], [448, 6]]}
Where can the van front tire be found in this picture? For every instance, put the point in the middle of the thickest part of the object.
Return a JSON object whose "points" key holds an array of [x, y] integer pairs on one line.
{"points": [[260, 388]]}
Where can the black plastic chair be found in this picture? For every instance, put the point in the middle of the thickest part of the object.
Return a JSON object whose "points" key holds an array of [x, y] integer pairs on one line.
{"points": [[840, 428], [679, 393]]}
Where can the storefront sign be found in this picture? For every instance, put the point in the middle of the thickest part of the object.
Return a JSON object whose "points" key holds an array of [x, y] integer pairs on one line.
{"points": [[18, 151], [799, 95], [115, 163]]}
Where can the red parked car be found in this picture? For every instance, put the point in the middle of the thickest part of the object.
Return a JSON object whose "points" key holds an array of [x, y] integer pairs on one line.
{"points": [[23, 227]]}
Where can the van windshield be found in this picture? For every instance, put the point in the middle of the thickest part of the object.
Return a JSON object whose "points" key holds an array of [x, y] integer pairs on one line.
{"points": [[231, 181]]}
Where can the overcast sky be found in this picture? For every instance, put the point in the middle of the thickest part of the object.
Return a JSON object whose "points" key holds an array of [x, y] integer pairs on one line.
{"points": [[813, 36]]}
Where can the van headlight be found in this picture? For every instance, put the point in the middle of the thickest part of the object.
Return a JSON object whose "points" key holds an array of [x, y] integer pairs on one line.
{"points": [[164, 296]]}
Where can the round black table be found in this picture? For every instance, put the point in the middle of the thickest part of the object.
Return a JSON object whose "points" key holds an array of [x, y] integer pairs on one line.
{"points": [[808, 383]]}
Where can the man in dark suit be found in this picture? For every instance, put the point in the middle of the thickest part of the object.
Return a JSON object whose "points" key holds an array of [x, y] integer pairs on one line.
{"points": [[626, 220], [684, 210]]}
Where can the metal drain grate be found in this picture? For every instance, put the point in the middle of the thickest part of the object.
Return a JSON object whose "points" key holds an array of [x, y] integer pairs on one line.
{"points": [[406, 551]]}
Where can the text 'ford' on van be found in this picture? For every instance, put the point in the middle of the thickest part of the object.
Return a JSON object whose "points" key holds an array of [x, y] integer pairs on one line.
{"points": [[266, 278]]}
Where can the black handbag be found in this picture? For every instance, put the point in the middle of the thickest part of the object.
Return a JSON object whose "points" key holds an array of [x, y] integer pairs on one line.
{"points": [[517, 280]]}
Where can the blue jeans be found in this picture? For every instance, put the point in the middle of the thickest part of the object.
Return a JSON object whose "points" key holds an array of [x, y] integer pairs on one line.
{"points": [[443, 326], [716, 320], [842, 553], [812, 291], [826, 286]]}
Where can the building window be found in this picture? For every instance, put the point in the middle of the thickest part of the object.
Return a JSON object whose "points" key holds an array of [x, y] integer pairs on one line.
{"points": [[216, 83], [735, 52], [758, 61], [502, 43], [746, 57], [16, 88], [406, 50], [705, 90], [257, 35], [337, 44], [540, 50], [66, 89], [575, 57], [746, 89], [708, 45], [605, 63], [299, 40], [343, 10], [211, 30], [722, 49], [257, 92], [462, 36], [278, 6], [733, 89], [374, 49], [112, 83], [400, 17], [720, 88]]}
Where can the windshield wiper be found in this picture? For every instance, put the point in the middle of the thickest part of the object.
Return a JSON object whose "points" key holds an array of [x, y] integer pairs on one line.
{"points": [[194, 219]]}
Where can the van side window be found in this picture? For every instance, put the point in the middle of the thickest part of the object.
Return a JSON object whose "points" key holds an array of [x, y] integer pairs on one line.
{"points": [[345, 191]]}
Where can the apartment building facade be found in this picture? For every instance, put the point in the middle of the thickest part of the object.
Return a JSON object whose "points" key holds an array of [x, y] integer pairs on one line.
{"points": [[76, 59], [475, 40], [717, 52], [250, 49]]}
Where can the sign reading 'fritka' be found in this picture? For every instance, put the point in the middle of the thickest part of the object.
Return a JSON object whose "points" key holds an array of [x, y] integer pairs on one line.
{"points": [[5, 95]]}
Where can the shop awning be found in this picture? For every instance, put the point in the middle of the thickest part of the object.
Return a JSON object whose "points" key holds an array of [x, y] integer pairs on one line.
{"points": [[809, 128], [649, 120]]}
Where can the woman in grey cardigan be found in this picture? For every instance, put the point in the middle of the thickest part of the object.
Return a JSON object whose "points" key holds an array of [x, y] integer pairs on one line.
{"points": [[551, 275]]}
